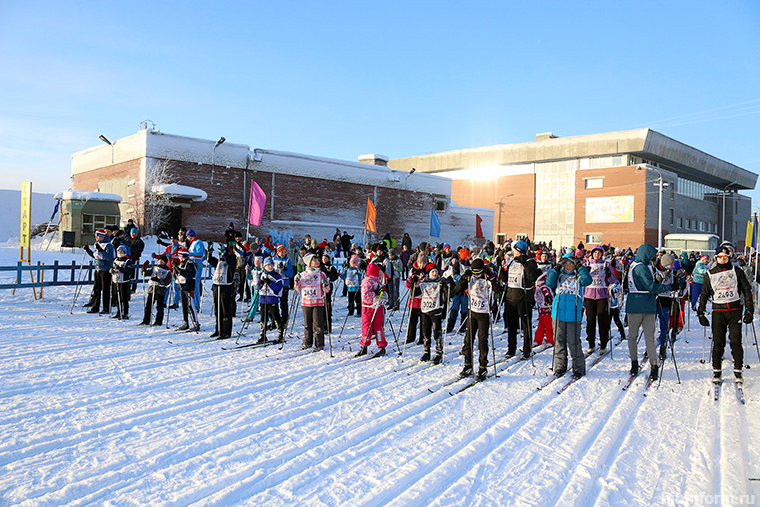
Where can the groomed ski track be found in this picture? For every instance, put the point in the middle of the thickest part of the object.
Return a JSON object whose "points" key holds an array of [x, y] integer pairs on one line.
{"points": [[100, 412]]}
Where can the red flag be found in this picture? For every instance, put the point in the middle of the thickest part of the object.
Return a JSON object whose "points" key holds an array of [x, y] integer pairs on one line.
{"points": [[369, 221], [478, 229], [256, 204]]}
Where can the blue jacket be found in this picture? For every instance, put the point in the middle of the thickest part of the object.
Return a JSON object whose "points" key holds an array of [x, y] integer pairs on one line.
{"points": [[105, 255], [285, 268], [270, 288], [568, 305], [643, 301]]}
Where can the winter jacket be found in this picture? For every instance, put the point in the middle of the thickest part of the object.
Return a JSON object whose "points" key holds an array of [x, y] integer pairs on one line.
{"points": [[700, 270], [523, 281], [285, 268], [404, 256], [642, 288], [104, 253], [197, 251], [313, 286], [568, 297], [412, 283], [726, 284], [353, 278], [224, 278], [160, 279], [122, 270], [601, 277], [185, 275], [369, 287], [270, 287], [544, 299]]}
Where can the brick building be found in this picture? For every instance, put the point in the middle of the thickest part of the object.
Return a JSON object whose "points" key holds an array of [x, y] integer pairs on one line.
{"points": [[601, 188], [305, 194]]}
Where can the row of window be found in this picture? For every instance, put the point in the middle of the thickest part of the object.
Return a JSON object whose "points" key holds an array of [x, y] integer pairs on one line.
{"points": [[91, 223], [693, 225]]}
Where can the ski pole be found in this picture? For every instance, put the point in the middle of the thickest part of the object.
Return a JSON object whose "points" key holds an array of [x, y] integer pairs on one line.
{"points": [[490, 329], [172, 298], [343, 326], [409, 323], [395, 338], [79, 280], [704, 339], [755, 334]]}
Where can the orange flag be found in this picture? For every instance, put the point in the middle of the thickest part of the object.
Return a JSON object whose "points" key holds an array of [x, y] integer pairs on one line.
{"points": [[369, 221]]}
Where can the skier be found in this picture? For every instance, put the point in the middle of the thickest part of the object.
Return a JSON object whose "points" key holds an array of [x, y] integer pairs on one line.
{"points": [[616, 302], [373, 297], [224, 281], [121, 276], [697, 279], [313, 286], [641, 307], [595, 299], [242, 254], [332, 275], [197, 252], [568, 278], [431, 313], [726, 284], [270, 286], [477, 282], [160, 279], [544, 263], [458, 299], [396, 270], [136, 248], [172, 260], [185, 273], [105, 256], [663, 274], [352, 278], [284, 266], [544, 299], [417, 273], [518, 276]]}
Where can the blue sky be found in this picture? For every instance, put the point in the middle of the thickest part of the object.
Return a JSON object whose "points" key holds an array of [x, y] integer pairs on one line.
{"points": [[340, 79]]}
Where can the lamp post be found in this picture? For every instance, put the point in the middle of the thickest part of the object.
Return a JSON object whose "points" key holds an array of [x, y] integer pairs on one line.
{"points": [[723, 221], [109, 143], [213, 155], [500, 204], [660, 184]]}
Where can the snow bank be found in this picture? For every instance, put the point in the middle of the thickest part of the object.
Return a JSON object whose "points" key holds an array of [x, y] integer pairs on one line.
{"points": [[196, 194], [83, 195]]}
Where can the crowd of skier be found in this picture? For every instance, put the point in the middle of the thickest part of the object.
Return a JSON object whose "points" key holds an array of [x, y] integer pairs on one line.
{"points": [[459, 290]]}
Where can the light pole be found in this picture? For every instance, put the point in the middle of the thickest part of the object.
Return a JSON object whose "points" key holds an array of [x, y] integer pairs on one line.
{"points": [[660, 184], [213, 155], [500, 204], [109, 143], [723, 221]]}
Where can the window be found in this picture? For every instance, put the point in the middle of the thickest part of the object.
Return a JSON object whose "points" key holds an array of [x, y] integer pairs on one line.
{"points": [[672, 216], [592, 238], [91, 223], [601, 162], [688, 223], [672, 190], [440, 205], [594, 183], [680, 223]]}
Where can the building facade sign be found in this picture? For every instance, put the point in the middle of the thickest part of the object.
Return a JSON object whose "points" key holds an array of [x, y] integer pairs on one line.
{"points": [[605, 210]]}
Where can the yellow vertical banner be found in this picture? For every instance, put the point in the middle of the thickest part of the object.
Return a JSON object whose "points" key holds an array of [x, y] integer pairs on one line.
{"points": [[26, 221]]}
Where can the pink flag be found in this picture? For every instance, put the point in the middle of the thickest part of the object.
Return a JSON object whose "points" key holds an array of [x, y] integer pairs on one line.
{"points": [[256, 205]]}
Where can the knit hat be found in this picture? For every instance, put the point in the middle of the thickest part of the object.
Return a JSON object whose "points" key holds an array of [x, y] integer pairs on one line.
{"points": [[373, 270], [281, 248], [182, 252], [667, 260], [190, 233], [463, 254], [100, 233], [429, 267], [704, 258], [521, 246], [268, 261], [445, 246], [307, 259], [122, 249], [162, 257], [133, 229], [579, 253], [598, 247], [477, 265]]}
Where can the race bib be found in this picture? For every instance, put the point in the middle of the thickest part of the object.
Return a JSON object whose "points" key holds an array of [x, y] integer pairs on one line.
{"points": [[431, 292], [597, 273], [515, 275], [479, 294], [725, 287], [568, 286]]}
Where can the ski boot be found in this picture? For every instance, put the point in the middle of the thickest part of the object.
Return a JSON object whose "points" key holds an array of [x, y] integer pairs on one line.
{"points": [[662, 352], [362, 352], [655, 373], [716, 376], [634, 367], [425, 356], [380, 352], [438, 359], [738, 377], [183, 327], [466, 372], [482, 374]]}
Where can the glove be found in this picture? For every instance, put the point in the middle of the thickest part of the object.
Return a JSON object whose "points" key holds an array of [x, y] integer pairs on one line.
{"points": [[578, 263], [675, 286], [146, 265], [158, 241], [99, 248], [703, 320], [748, 317], [558, 267], [152, 255], [264, 278], [297, 278], [154, 279], [87, 249], [378, 290]]}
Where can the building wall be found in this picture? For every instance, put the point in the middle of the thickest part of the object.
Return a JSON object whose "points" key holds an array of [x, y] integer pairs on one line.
{"points": [[617, 181], [517, 215], [114, 179]]}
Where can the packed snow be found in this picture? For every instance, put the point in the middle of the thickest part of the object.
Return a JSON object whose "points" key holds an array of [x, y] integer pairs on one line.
{"points": [[96, 411]]}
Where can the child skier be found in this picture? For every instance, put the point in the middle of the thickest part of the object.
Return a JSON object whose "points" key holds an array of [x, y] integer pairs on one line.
{"points": [[568, 279], [270, 291], [432, 310], [353, 280], [186, 271], [373, 297], [544, 300], [121, 271], [160, 279], [224, 282], [313, 286], [479, 286]]}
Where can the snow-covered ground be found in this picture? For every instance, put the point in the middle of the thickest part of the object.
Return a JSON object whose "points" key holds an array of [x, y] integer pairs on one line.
{"points": [[99, 412]]}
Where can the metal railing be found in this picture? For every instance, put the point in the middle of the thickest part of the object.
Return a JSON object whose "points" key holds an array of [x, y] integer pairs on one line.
{"points": [[77, 275]]}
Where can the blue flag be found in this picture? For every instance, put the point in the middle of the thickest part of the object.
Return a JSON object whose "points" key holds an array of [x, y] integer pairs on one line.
{"points": [[435, 224], [754, 231], [55, 210]]}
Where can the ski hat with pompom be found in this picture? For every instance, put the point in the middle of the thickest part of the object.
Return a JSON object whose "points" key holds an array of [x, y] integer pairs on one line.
{"points": [[182, 252], [373, 270]]}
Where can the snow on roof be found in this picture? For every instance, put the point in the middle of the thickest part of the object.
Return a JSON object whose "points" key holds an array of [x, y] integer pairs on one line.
{"points": [[196, 194], [352, 172], [83, 195]]}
